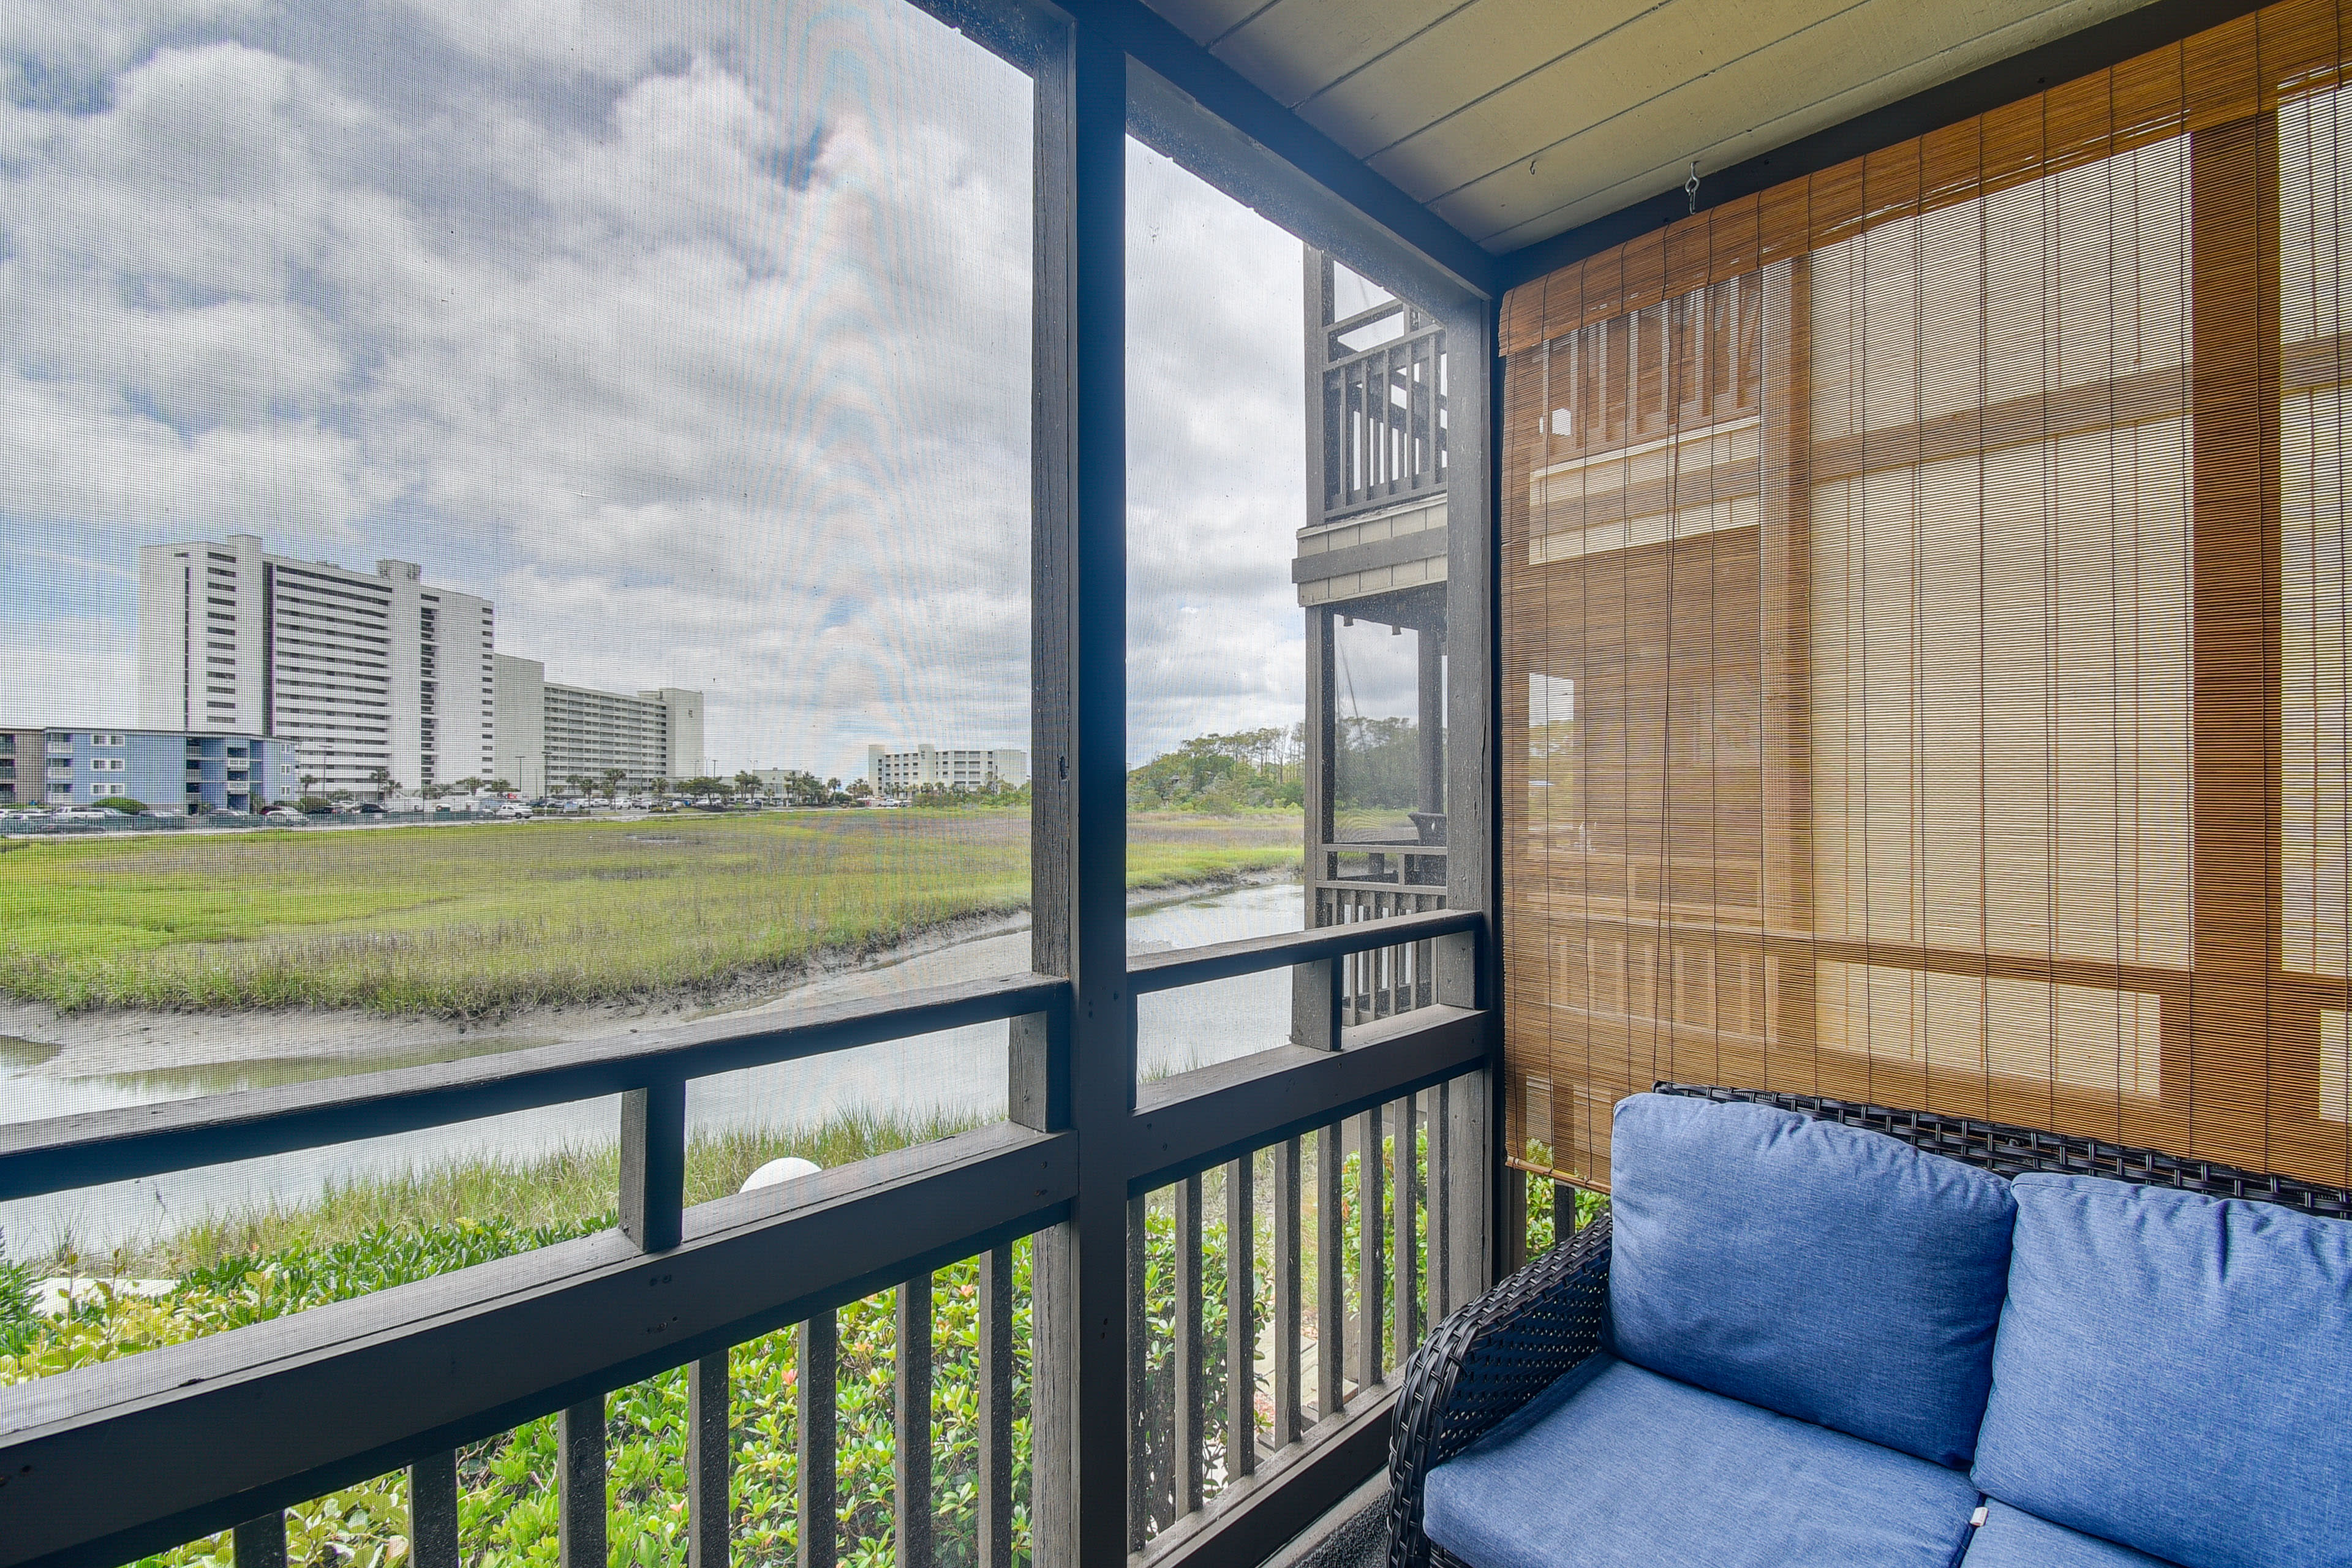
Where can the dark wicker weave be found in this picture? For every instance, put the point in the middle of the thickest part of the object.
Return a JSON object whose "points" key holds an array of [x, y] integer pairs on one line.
{"points": [[1502, 1350], [1484, 1362]]}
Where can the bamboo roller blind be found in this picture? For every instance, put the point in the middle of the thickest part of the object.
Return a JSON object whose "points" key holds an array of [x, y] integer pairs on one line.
{"points": [[1924, 603]]}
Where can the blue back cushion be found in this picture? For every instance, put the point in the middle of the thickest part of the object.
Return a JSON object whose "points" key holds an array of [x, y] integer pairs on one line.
{"points": [[2175, 1373], [1830, 1273]]}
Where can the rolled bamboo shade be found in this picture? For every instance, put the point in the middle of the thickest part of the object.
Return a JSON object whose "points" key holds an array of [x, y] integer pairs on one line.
{"points": [[1924, 606]]}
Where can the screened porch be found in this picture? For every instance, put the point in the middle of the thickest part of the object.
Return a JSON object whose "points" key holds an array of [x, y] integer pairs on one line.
{"points": [[1542, 560]]}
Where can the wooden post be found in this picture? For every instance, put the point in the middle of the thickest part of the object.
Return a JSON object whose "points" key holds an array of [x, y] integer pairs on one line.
{"points": [[910, 1455], [433, 1511], [709, 1462], [816, 1419], [996, 1408], [580, 1484], [1241, 1319], [1079, 641], [653, 1164]]}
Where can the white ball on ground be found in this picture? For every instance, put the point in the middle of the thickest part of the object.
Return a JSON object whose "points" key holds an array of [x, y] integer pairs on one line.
{"points": [[783, 1170]]}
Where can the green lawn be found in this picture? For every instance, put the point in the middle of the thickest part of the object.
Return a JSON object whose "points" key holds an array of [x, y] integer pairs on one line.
{"points": [[478, 920]]}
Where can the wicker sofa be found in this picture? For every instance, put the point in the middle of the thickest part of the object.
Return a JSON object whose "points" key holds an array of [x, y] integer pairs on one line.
{"points": [[1819, 1333]]}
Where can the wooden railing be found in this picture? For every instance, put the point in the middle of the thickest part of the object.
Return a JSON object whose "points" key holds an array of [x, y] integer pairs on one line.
{"points": [[114, 1461], [1384, 423], [1307, 1352]]}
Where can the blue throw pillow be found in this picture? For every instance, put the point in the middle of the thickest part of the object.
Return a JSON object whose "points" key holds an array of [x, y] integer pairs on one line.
{"points": [[2175, 1373], [1830, 1273]]}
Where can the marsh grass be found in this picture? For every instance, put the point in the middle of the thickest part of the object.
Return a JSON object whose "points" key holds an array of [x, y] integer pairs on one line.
{"points": [[484, 921], [562, 1191]]}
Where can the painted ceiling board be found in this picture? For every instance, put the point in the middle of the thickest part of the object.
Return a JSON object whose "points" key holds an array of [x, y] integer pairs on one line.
{"points": [[1607, 100], [1742, 111], [1295, 47], [1481, 49], [1206, 21], [1676, 46]]}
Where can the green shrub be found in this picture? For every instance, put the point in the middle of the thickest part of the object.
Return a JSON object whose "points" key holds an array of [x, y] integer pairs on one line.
{"points": [[17, 1321]]}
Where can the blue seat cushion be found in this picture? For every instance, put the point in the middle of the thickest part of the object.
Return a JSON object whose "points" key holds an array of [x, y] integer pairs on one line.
{"points": [[1614, 1466], [2174, 1371], [1822, 1271], [2011, 1538]]}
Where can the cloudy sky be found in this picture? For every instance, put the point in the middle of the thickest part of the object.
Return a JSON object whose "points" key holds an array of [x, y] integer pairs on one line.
{"points": [[694, 336]]}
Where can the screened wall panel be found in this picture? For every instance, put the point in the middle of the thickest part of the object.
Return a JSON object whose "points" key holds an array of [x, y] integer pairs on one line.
{"points": [[1925, 583]]}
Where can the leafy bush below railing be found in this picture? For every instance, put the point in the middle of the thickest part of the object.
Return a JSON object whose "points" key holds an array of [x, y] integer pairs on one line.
{"points": [[507, 1497], [507, 1492]]}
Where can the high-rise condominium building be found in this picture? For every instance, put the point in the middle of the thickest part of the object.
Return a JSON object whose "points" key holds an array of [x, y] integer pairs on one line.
{"points": [[915, 767], [373, 675], [551, 736]]}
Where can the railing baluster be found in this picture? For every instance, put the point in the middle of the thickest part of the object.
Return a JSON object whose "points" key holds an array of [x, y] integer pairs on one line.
{"points": [[653, 1164], [709, 1459], [817, 1418], [1371, 1275], [1189, 1412], [1241, 1319], [1330, 1278], [433, 1511], [995, 1548], [1287, 1307], [261, 1542], [1405, 1216], [580, 1486], [911, 1461], [1360, 432], [1138, 1364], [1317, 1008], [1440, 1199]]}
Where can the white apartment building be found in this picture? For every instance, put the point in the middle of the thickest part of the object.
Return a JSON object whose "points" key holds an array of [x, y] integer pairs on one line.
{"points": [[369, 674], [900, 773], [550, 734]]}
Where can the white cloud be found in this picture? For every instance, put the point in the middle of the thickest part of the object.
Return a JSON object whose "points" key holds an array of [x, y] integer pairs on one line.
{"points": [[77, 664], [697, 341]]}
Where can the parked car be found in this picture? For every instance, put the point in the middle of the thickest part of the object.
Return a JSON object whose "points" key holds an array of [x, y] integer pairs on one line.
{"points": [[515, 808], [82, 814], [285, 813]]}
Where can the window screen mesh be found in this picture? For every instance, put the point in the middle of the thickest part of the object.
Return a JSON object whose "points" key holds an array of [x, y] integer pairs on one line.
{"points": [[1924, 606]]}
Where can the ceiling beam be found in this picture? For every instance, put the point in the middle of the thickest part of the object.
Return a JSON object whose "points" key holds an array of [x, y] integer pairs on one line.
{"points": [[1157, 43]]}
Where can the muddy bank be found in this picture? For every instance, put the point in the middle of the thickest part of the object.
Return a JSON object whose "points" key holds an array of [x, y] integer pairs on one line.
{"points": [[174, 1054]]}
